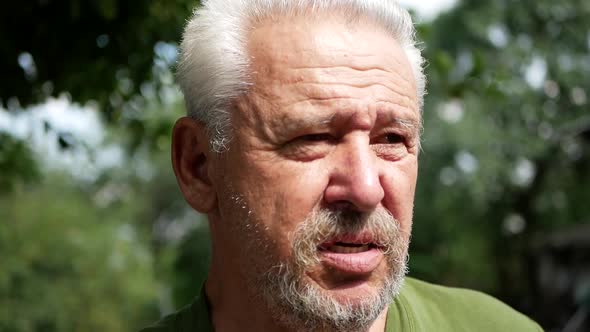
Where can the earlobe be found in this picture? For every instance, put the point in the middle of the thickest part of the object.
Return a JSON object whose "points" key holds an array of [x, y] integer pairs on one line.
{"points": [[190, 158]]}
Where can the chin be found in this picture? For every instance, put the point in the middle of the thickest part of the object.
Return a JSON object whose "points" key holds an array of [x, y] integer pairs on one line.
{"points": [[350, 288], [336, 302], [353, 293]]}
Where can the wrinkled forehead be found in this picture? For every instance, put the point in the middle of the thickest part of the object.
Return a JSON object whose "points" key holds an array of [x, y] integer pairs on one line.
{"points": [[326, 38], [299, 58]]}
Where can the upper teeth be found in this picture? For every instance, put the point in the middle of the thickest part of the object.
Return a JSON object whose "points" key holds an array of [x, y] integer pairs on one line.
{"points": [[347, 249]]}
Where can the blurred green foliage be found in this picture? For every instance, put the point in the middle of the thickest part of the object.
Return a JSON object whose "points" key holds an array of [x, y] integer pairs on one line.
{"points": [[505, 161], [16, 163], [70, 266], [496, 145]]}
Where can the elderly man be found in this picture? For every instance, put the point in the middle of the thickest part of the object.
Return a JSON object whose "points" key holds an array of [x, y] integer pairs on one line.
{"points": [[301, 146]]}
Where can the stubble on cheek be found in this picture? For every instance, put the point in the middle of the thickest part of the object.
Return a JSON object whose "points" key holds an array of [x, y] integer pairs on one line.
{"points": [[257, 251]]}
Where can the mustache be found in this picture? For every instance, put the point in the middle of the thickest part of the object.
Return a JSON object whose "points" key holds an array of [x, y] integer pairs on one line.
{"points": [[379, 227]]}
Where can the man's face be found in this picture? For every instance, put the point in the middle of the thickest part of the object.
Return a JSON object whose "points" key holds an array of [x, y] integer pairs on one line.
{"points": [[317, 186]]}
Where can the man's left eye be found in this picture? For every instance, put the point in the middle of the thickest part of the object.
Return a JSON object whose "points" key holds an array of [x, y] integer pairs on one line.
{"points": [[393, 138]]}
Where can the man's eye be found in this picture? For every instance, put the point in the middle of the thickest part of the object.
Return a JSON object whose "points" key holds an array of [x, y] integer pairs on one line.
{"points": [[393, 138], [309, 147], [316, 137]]}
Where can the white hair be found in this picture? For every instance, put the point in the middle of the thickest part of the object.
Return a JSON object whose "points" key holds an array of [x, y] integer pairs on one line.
{"points": [[213, 64]]}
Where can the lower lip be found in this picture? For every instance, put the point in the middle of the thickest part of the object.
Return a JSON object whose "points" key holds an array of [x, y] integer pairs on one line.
{"points": [[357, 263]]}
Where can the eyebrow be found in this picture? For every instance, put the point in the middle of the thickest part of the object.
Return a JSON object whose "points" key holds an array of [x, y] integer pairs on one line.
{"points": [[324, 120], [408, 123], [385, 116], [309, 120], [404, 121]]}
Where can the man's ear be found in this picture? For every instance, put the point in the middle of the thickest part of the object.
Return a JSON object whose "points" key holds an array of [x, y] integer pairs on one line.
{"points": [[190, 158]]}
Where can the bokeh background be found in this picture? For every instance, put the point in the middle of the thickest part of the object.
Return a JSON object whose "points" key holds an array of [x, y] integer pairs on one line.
{"points": [[95, 236]]}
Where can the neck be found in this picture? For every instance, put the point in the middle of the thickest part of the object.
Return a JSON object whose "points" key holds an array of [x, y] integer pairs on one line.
{"points": [[233, 307]]}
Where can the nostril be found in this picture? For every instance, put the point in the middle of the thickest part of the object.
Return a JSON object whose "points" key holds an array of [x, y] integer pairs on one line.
{"points": [[342, 206], [354, 198]]}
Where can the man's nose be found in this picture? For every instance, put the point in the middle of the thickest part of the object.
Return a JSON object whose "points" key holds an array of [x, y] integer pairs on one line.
{"points": [[355, 177]]}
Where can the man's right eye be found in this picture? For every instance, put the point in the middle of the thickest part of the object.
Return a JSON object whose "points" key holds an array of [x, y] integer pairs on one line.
{"points": [[323, 137], [309, 147]]}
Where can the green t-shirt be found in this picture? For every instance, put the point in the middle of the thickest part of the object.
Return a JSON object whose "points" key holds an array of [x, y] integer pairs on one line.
{"points": [[420, 307]]}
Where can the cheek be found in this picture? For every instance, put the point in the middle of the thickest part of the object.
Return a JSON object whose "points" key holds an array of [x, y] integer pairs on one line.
{"points": [[296, 192], [293, 201], [281, 195], [399, 185]]}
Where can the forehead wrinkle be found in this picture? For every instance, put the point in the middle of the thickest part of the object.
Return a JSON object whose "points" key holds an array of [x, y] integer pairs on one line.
{"points": [[361, 67], [384, 65], [321, 87], [285, 65], [317, 92], [342, 99], [347, 104], [320, 93], [309, 83], [342, 104], [346, 75], [356, 59]]}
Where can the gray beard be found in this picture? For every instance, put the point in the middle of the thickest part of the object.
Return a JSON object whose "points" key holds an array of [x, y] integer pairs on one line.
{"points": [[297, 303]]}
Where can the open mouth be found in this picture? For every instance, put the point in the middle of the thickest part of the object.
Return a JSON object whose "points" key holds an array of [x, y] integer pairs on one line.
{"points": [[347, 247], [352, 253]]}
